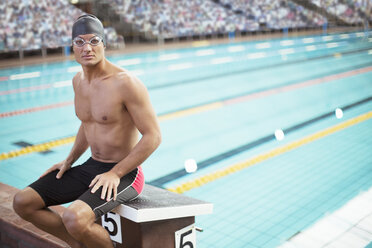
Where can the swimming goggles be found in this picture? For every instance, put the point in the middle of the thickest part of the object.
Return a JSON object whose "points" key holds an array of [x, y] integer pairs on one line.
{"points": [[80, 42]]}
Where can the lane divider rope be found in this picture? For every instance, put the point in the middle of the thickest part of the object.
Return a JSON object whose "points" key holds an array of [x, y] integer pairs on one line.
{"points": [[200, 181], [46, 146], [37, 148], [190, 111], [198, 109], [35, 109], [217, 104]]}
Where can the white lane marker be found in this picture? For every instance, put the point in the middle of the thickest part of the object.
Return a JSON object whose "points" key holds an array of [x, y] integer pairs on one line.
{"points": [[327, 38], [126, 62], [287, 43], [205, 52], [286, 51], [74, 69], [256, 55], [25, 75], [234, 49], [359, 34], [171, 56], [221, 60], [344, 36], [308, 40], [62, 84], [263, 45], [332, 45], [176, 67]]}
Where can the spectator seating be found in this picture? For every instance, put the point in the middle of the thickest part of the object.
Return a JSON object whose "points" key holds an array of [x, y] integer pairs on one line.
{"points": [[36, 24], [351, 11], [276, 14], [176, 18]]}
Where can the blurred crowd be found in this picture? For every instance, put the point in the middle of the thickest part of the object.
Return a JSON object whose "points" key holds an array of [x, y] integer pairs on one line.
{"points": [[175, 18], [34, 24], [276, 14], [351, 11]]}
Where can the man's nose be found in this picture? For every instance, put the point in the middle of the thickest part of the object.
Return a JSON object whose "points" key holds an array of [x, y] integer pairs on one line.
{"points": [[87, 47]]}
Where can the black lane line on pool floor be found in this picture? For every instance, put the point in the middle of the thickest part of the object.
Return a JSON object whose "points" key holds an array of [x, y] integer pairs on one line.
{"points": [[25, 144], [159, 182]]}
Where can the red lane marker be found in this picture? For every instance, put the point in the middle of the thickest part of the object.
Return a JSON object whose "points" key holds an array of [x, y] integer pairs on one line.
{"points": [[39, 87], [226, 102], [325, 79], [4, 78], [35, 109]]}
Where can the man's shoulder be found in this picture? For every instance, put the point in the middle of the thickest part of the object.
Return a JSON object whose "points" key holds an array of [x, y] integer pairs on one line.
{"points": [[126, 78], [76, 79], [77, 75], [129, 85]]}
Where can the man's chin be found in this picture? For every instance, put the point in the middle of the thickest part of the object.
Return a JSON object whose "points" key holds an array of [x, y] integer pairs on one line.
{"points": [[88, 62]]}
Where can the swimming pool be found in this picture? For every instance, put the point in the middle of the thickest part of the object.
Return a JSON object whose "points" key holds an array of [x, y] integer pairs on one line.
{"points": [[220, 105]]}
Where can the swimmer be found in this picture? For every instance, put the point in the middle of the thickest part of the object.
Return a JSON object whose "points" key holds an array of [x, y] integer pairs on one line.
{"points": [[113, 107]]}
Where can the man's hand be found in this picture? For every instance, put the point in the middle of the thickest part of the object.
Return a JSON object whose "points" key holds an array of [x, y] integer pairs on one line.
{"points": [[61, 166], [109, 182]]}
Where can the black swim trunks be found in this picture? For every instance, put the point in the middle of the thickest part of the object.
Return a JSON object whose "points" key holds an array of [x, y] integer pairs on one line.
{"points": [[74, 185]]}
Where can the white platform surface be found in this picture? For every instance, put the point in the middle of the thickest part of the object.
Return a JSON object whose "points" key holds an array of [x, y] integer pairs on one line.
{"points": [[159, 204]]}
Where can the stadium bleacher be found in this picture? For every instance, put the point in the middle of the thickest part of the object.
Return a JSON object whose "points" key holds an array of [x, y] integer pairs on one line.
{"points": [[38, 24], [171, 18], [34, 24], [276, 14], [351, 11]]}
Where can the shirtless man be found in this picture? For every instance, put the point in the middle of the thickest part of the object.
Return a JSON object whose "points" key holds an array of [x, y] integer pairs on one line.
{"points": [[113, 106]]}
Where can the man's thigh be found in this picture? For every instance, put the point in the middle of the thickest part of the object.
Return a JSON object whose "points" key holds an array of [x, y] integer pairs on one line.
{"points": [[126, 192], [55, 191]]}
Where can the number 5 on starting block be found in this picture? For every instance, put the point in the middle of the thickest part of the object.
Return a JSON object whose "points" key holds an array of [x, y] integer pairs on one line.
{"points": [[111, 222], [186, 237]]}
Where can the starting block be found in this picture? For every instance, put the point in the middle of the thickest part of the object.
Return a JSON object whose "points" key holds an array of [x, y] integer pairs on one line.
{"points": [[158, 218]]}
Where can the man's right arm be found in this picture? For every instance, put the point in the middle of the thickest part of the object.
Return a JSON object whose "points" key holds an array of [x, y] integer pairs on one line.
{"points": [[80, 144], [79, 147]]}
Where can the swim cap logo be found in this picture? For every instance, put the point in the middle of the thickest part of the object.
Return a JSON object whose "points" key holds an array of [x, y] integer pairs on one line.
{"points": [[88, 24]]}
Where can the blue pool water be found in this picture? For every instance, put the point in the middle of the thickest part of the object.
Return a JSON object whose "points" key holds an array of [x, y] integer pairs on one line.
{"points": [[252, 89]]}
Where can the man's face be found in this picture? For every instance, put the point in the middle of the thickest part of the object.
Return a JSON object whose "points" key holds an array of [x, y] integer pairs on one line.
{"points": [[90, 53]]}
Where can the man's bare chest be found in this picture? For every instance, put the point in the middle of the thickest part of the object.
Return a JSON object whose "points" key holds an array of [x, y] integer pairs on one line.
{"points": [[99, 106]]}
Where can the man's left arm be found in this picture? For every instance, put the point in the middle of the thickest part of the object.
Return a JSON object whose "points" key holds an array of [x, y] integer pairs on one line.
{"points": [[137, 102]]}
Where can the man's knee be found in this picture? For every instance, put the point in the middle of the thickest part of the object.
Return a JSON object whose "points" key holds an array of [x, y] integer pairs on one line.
{"points": [[20, 203], [26, 201], [77, 219]]}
